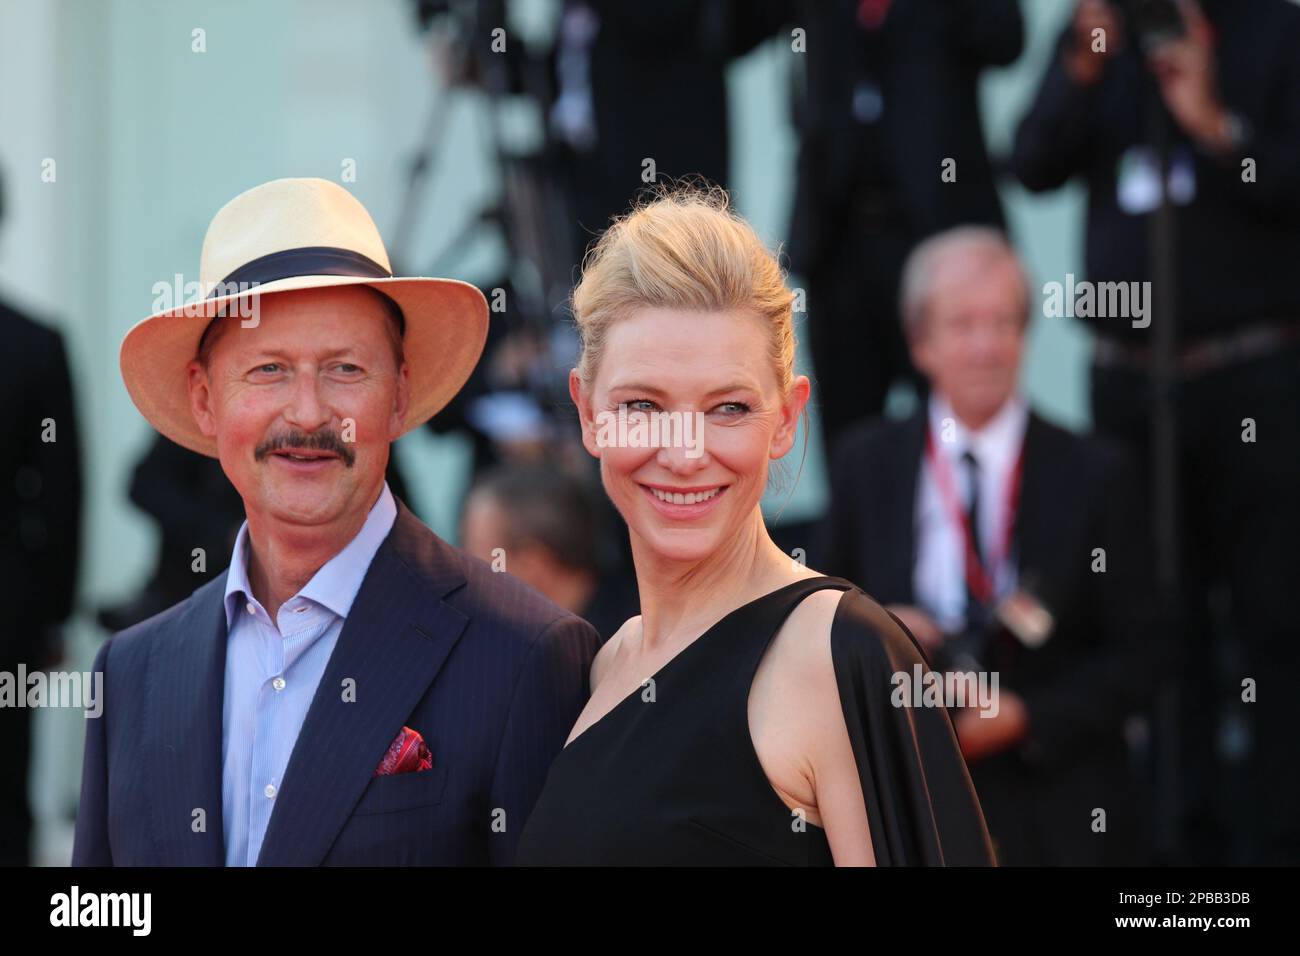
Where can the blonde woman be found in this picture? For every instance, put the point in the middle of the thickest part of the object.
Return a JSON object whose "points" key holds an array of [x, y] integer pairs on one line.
{"points": [[745, 716]]}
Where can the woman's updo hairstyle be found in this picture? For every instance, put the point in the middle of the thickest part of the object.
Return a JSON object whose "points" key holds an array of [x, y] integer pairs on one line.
{"points": [[682, 247]]}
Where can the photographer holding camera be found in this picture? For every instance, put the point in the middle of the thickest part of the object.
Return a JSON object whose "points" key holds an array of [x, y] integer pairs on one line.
{"points": [[1001, 515], [1209, 92]]}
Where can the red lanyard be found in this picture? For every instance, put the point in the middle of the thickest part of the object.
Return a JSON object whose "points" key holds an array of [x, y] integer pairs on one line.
{"points": [[978, 577], [872, 13]]}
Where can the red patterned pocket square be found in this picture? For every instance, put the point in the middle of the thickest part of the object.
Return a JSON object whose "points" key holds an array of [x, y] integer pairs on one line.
{"points": [[406, 754]]}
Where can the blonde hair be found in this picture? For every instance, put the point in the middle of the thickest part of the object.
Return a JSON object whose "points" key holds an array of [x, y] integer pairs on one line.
{"points": [[683, 247]]}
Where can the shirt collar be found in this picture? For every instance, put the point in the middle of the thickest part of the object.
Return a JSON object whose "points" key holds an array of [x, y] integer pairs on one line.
{"points": [[994, 445], [336, 583]]}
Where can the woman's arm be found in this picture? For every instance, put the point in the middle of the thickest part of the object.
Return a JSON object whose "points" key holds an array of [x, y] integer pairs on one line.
{"points": [[835, 778], [820, 748]]}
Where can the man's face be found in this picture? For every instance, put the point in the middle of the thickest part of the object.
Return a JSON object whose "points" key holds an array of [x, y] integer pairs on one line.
{"points": [[484, 527], [972, 336], [485, 532], [303, 405]]}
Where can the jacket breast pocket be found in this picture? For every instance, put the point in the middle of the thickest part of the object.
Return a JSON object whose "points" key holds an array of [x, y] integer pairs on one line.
{"points": [[402, 791]]}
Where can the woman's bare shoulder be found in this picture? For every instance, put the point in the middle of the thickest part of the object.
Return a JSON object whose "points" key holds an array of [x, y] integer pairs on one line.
{"points": [[800, 657], [832, 634], [805, 639], [610, 649]]}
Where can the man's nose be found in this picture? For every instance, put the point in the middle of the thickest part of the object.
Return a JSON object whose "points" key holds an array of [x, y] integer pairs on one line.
{"points": [[989, 343], [306, 410]]}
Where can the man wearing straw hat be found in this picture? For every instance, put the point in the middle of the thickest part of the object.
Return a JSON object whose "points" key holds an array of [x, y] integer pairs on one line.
{"points": [[353, 690]]}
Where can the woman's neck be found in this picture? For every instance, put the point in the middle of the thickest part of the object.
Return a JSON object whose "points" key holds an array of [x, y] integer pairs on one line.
{"points": [[681, 599]]}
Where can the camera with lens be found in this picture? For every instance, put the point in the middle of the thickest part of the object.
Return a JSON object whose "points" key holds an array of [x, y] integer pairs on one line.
{"points": [[1021, 619], [968, 649]]}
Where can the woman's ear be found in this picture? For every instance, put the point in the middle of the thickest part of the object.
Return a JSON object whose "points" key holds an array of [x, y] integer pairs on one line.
{"points": [[788, 422], [582, 401]]}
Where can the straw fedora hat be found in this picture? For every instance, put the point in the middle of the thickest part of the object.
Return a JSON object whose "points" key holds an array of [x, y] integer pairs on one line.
{"points": [[301, 234]]}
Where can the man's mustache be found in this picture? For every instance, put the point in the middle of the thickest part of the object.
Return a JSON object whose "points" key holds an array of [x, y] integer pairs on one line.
{"points": [[317, 441]]}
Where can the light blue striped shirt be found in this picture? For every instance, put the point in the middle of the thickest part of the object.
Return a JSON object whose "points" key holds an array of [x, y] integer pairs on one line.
{"points": [[272, 671]]}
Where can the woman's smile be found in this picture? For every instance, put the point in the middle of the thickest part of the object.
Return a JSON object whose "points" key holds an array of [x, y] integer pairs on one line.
{"points": [[683, 504]]}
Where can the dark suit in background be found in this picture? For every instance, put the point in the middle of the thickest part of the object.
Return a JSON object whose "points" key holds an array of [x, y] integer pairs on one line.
{"points": [[1079, 687], [1237, 323], [880, 111], [656, 78], [40, 541]]}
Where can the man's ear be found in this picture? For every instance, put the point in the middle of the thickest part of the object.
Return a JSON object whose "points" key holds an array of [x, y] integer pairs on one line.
{"points": [[788, 424], [582, 402], [918, 347], [401, 402], [201, 398]]}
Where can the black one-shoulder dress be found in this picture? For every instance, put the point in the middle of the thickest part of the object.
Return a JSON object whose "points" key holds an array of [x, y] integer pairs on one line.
{"points": [[670, 776]]}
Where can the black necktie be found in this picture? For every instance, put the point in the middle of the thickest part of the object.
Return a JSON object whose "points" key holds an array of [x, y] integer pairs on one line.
{"points": [[974, 610]]}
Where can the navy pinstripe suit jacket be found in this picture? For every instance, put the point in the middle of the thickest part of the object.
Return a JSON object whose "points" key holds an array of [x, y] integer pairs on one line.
{"points": [[492, 675]]}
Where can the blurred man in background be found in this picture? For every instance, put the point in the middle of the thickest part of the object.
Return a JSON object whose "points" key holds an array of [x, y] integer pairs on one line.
{"points": [[891, 150], [540, 524], [40, 541], [1026, 558], [1215, 87]]}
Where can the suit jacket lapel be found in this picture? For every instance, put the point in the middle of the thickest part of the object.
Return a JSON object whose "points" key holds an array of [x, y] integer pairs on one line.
{"points": [[393, 643], [187, 680], [1035, 519], [905, 474]]}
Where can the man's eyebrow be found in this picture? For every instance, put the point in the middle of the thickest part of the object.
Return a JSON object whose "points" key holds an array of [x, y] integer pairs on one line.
{"points": [[260, 353], [248, 355]]}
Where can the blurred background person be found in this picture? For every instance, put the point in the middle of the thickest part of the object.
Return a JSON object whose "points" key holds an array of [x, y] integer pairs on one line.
{"points": [[166, 484], [891, 149], [1210, 91], [1001, 513], [40, 541], [539, 523], [643, 83]]}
